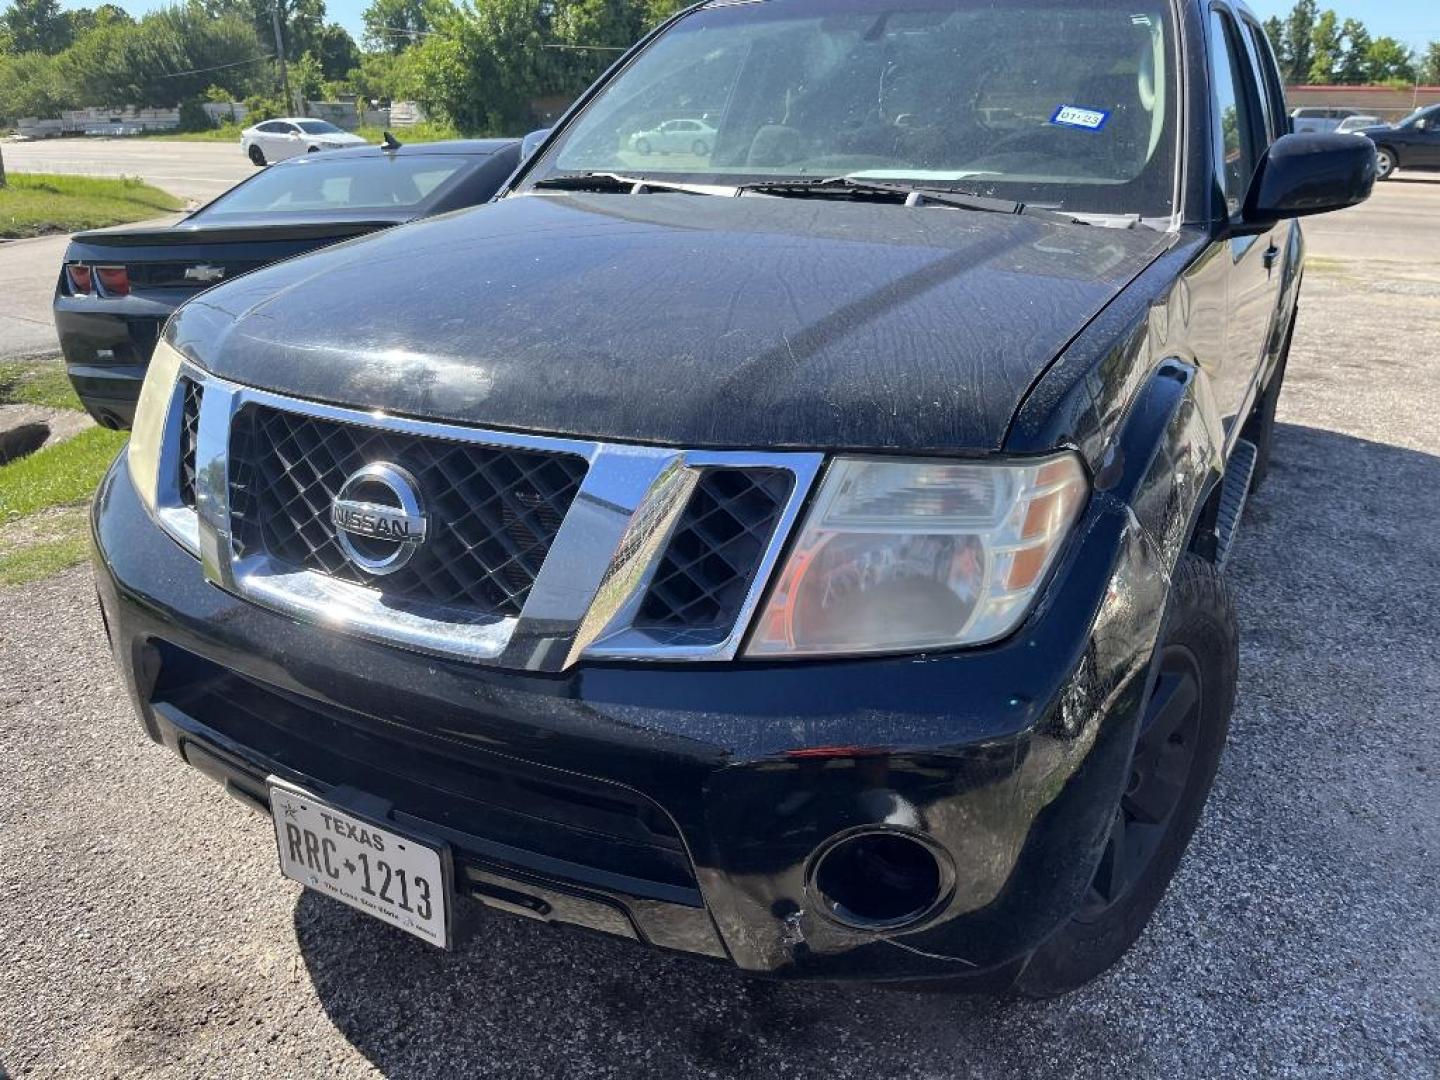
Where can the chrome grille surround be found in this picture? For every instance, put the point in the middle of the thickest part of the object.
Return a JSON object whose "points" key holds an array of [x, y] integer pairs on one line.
{"points": [[586, 598]]}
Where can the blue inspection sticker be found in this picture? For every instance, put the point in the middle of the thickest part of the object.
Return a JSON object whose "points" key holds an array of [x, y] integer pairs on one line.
{"points": [[1077, 116]]}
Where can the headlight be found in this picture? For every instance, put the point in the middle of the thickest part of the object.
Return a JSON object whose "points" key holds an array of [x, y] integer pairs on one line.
{"points": [[912, 555], [147, 433]]}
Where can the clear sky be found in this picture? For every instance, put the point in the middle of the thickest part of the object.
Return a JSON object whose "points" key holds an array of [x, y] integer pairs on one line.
{"points": [[1412, 21]]}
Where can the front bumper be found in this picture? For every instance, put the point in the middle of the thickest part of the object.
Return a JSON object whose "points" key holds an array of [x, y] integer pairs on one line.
{"points": [[681, 804]]}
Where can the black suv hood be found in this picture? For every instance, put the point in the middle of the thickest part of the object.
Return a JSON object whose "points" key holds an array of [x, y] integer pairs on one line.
{"points": [[691, 320]]}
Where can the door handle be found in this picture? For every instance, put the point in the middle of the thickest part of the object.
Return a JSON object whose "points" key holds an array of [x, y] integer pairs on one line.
{"points": [[1271, 254]]}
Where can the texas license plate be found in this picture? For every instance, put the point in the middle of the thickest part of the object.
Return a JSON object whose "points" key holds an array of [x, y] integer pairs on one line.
{"points": [[396, 878]]}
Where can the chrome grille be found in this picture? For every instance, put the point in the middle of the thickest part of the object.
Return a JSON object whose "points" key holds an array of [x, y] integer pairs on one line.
{"points": [[494, 512], [715, 551], [538, 551], [189, 438]]}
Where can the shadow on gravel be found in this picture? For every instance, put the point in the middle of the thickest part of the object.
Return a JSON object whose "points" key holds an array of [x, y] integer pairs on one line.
{"points": [[1281, 949]]}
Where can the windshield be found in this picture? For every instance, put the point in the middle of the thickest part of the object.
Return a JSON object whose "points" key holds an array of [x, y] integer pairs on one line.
{"points": [[318, 127], [1065, 103], [317, 184]]}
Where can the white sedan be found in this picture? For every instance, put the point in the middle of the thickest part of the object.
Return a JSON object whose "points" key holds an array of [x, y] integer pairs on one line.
{"points": [[675, 137], [276, 140]]}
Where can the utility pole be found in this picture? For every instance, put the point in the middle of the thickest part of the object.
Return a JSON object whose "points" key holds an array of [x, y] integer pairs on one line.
{"points": [[280, 55]]}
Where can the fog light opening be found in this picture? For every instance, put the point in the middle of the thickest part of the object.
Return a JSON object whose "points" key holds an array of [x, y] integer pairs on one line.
{"points": [[878, 880]]}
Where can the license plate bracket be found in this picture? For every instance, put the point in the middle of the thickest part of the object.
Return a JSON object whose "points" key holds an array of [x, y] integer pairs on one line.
{"points": [[392, 874]]}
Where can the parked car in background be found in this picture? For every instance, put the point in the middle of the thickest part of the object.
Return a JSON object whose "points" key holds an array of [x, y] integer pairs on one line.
{"points": [[1318, 118], [1353, 124], [118, 286], [675, 137], [1411, 143], [276, 140], [808, 556]]}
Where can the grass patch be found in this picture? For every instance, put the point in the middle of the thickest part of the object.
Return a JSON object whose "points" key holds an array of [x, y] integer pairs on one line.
{"points": [[42, 383], [61, 475], [59, 541], [36, 204]]}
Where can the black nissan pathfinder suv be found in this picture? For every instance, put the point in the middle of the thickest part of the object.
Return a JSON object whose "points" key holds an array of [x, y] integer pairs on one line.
{"points": [[801, 548]]}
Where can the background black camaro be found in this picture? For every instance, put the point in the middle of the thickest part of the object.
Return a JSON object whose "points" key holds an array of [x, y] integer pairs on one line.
{"points": [[812, 535], [118, 286]]}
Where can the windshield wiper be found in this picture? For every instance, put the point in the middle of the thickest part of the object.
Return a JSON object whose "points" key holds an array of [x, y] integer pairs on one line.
{"points": [[630, 185], [909, 194]]}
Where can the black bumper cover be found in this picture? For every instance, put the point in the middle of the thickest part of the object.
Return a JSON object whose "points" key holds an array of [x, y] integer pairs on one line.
{"points": [[1008, 757]]}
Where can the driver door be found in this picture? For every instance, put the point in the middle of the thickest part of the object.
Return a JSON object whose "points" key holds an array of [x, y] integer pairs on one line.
{"points": [[1425, 151], [1243, 130]]}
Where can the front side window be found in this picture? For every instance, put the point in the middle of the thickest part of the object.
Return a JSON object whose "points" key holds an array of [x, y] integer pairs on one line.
{"points": [[1234, 126], [1067, 103], [378, 183], [319, 127]]}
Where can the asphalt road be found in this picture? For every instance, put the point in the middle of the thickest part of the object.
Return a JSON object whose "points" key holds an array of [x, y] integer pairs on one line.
{"points": [[190, 170], [144, 929], [196, 172]]}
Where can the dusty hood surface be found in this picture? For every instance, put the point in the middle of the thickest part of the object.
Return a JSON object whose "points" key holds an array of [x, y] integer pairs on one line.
{"points": [[681, 319]]}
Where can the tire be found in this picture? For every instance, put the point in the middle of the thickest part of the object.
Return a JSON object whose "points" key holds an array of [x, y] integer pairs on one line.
{"points": [[699, 148], [1385, 163], [313, 150], [257, 156], [1199, 642], [642, 146], [1260, 426]]}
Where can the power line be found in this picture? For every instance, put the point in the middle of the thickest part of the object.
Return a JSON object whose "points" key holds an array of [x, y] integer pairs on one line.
{"points": [[218, 67]]}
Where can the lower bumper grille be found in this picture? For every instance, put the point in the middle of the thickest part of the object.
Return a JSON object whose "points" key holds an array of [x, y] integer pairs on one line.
{"points": [[504, 811]]}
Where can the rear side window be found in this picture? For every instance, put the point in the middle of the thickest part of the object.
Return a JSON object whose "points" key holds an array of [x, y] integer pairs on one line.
{"points": [[273, 127], [366, 183], [1234, 122]]}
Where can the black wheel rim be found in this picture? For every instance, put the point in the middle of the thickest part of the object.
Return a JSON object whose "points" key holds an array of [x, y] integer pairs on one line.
{"points": [[1159, 772]]}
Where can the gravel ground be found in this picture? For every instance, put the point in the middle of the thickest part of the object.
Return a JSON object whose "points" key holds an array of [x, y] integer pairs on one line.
{"points": [[1298, 940]]}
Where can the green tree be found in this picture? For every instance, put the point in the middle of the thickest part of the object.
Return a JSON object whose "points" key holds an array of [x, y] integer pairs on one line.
{"points": [[392, 26], [1299, 30], [1275, 31], [170, 55], [384, 76], [484, 62], [1325, 49], [308, 77], [1389, 61], [83, 20], [338, 53], [36, 26], [1354, 67], [29, 86], [1430, 65]]}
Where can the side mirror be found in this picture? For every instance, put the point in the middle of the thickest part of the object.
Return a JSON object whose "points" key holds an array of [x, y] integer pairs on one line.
{"points": [[1308, 173], [530, 143]]}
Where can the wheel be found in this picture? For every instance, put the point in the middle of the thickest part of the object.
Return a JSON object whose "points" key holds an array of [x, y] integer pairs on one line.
{"points": [[313, 150], [643, 146], [699, 148], [257, 156], [1260, 426], [1384, 163], [1182, 733]]}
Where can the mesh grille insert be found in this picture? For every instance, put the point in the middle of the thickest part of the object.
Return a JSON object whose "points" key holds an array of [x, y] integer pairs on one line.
{"points": [[493, 512], [189, 441], [716, 550]]}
